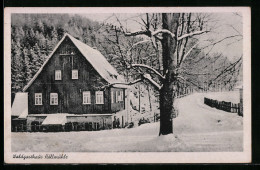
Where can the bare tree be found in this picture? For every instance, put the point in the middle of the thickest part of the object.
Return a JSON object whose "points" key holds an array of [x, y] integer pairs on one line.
{"points": [[172, 32], [174, 38]]}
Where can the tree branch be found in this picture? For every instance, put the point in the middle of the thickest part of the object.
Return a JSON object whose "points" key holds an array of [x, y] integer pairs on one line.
{"points": [[142, 32], [196, 73], [229, 68], [149, 68], [163, 31], [129, 83], [139, 42], [149, 78], [184, 57], [191, 34], [212, 44], [179, 77]]}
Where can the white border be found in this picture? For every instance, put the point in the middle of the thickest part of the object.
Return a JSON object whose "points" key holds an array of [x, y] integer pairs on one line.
{"points": [[131, 157]]}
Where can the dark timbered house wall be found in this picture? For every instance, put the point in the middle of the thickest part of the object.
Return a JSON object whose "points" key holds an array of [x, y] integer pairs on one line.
{"points": [[70, 91]]}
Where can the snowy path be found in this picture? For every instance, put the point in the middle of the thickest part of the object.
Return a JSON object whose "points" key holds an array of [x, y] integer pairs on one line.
{"points": [[203, 128], [197, 128]]}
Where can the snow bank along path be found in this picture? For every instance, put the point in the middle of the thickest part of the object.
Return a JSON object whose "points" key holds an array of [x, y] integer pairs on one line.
{"points": [[203, 128], [228, 96], [197, 128]]}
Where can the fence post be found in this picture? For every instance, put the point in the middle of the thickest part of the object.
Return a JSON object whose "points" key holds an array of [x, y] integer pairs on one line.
{"points": [[241, 102]]}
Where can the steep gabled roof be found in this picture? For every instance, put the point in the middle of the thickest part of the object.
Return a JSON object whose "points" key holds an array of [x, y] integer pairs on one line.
{"points": [[94, 57]]}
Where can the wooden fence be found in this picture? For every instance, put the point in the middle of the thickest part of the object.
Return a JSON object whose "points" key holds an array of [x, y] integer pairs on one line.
{"points": [[222, 105], [71, 126]]}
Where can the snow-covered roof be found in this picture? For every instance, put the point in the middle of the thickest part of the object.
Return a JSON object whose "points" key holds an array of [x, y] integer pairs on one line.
{"points": [[55, 119], [94, 57], [20, 105]]}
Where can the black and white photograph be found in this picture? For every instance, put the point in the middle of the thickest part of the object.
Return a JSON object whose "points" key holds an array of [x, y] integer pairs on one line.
{"points": [[127, 85]]}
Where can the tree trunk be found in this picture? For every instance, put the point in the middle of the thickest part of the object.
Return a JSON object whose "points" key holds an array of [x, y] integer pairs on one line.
{"points": [[170, 22], [139, 99], [149, 97]]}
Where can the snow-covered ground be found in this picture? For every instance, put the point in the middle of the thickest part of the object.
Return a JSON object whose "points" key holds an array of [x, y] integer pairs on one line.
{"points": [[197, 128]]}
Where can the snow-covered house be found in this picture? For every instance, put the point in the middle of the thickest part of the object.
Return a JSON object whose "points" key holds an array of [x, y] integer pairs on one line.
{"points": [[76, 84]]}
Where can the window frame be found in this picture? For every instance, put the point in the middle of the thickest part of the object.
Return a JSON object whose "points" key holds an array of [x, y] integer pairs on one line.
{"points": [[38, 96], [117, 97], [121, 94], [72, 71], [56, 75], [88, 96], [112, 97], [97, 93], [54, 96]]}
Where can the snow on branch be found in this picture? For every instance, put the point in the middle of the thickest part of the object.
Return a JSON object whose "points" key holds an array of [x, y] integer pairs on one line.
{"points": [[144, 32], [139, 42], [144, 77], [149, 33], [184, 57], [149, 68], [191, 34], [128, 84], [163, 31], [149, 78]]}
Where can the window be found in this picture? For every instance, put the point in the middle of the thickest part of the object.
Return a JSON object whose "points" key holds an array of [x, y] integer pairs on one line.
{"points": [[112, 97], [54, 99], [57, 74], [99, 97], [86, 97], [121, 96], [116, 96], [38, 99], [74, 74]]}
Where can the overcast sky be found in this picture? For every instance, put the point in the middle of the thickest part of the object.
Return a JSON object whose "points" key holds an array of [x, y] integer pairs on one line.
{"points": [[227, 24]]}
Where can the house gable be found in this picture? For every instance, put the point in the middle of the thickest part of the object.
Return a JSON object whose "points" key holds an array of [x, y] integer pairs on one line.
{"points": [[66, 64], [63, 93], [69, 91], [94, 57]]}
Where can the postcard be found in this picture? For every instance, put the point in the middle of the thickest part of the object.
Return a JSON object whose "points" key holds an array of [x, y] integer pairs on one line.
{"points": [[127, 85]]}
